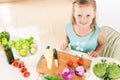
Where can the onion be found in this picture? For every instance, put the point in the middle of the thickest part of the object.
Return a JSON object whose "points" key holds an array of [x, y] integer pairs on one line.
{"points": [[67, 73], [80, 71]]}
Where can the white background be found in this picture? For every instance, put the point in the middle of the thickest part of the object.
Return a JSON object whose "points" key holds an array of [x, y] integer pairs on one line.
{"points": [[108, 13]]}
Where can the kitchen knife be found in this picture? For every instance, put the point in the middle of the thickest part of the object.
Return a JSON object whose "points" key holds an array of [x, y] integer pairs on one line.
{"points": [[55, 57]]}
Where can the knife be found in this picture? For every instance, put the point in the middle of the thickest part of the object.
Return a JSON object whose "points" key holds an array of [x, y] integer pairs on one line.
{"points": [[55, 57]]}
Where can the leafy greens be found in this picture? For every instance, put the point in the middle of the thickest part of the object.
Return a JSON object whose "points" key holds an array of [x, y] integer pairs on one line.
{"points": [[104, 70]]}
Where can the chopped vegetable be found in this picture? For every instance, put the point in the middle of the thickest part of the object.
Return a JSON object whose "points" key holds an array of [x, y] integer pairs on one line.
{"points": [[33, 50], [23, 52], [51, 77], [68, 73], [80, 71], [26, 74], [23, 45], [33, 46]]}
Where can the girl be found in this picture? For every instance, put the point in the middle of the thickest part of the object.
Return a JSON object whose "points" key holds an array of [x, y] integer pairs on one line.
{"points": [[82, 33]]}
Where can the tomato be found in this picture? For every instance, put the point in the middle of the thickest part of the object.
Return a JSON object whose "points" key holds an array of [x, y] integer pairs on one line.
{"points": [[69, 63], [21, 65], [23, 69], [15, 63], [80, 61], [26, 74]]}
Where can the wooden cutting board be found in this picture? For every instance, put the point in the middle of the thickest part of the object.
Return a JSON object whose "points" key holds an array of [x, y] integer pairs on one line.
{"points": [[62, 58]]}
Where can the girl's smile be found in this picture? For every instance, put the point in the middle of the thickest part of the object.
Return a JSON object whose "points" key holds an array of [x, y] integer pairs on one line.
{"points": [[84, 15]]}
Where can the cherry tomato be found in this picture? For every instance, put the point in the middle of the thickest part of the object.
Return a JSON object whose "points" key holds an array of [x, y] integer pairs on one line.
{"points": [[26, 74], [21, 65], [80, 61], [23, 69], [15, 63], [69, 63]]}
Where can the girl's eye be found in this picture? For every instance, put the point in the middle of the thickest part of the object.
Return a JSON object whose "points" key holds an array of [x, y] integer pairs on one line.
{"points": [[88, 15], [79, 15]]}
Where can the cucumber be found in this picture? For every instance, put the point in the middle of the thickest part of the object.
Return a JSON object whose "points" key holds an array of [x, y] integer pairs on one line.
{"points": [[51, 77]]}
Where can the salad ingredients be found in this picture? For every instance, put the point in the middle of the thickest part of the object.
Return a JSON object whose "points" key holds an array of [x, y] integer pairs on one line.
{"points": [[33, 50], [4, 42], [80, 71], [23, 46], [23, 52], [107, 71], [69, 63], [15, 63], [22, 43], [26, 74], [51, 77], [5, 34], [68, 73], [80, 61], [23, 69], [100, 69], [20, 65], [33, 46], [113, 71]]}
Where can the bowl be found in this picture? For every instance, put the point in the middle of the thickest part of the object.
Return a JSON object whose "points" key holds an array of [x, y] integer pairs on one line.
{"points": [[97, 60]]}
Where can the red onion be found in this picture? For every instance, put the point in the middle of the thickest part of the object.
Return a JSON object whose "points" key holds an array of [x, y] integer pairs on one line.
{"points": [[67, 73], [80, 71]]}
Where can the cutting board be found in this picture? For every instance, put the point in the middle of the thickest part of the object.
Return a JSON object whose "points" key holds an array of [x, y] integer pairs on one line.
{"points": [[62, 58]]}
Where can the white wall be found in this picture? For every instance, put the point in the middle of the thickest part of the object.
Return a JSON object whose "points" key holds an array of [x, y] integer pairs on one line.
{"points": [[108, 13]]}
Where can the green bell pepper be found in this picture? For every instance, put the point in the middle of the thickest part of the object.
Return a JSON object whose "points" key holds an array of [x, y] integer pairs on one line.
{"points": [[4, 34]]}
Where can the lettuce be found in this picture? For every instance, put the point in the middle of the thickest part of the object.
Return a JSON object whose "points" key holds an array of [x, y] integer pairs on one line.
{"points": [[113, 71], [107, 70], [100, 69], [22, 43]]}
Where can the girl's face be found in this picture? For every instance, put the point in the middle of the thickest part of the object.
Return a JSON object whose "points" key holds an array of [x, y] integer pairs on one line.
{"points": [[84, 15]]}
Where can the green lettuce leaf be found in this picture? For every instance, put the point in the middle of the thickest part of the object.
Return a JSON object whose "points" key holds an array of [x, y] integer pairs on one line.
{"points": [[100, 69], [113, 71]]}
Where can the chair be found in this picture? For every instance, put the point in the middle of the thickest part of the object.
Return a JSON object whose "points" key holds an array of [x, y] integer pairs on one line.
{"points": [[112, 43]]}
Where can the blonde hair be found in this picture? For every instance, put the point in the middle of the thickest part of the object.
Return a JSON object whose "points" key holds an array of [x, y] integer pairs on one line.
{"points": [[82, 3]]}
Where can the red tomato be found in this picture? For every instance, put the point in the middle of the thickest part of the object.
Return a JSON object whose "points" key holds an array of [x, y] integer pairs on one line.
{"points": [[80, 61], [21, 65], [15, 63], [69, 63], [26, 74], [23, 69]]}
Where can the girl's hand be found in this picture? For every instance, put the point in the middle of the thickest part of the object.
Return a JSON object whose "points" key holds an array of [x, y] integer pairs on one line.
{"points": [[64, 46], [93, 54]]}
